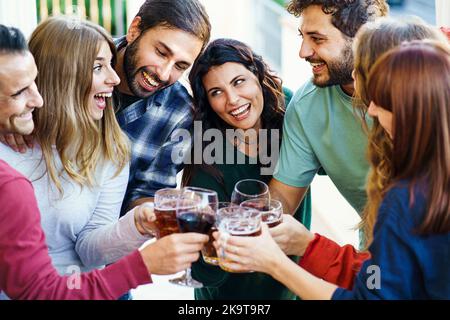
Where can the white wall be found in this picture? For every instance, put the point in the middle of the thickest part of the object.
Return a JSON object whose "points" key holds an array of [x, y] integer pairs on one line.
{"points": [[12, 13], [443, 13]]}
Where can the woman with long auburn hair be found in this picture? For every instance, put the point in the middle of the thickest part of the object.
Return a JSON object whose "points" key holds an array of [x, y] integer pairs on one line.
{"points": [[80, 160], [409, 92]]}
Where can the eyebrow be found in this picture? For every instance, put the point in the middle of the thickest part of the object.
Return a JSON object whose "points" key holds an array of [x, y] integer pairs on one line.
{"points": [[313, 33], [233, 80], [162, 44], [23, 89]]}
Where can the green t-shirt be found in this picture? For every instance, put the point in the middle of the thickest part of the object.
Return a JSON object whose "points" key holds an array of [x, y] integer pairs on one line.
{"points": [[321, 130]]}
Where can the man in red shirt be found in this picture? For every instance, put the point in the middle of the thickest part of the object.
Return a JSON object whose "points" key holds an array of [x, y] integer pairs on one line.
{"points": [[26, 270]]}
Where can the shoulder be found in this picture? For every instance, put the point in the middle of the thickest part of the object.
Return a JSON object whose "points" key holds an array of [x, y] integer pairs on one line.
{"points": [[8, 174], [287, 95], [304, 97], [397, 203], [13, 185]]}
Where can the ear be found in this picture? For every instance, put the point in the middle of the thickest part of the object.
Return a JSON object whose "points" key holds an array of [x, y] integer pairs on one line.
{"points": [[133, 31]]}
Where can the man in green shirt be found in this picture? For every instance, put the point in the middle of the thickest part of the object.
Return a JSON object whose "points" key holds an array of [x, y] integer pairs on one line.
{"points": [[321, 129]]}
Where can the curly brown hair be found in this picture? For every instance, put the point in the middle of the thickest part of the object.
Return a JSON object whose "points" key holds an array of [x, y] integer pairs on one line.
{"points": [[347, 15]]}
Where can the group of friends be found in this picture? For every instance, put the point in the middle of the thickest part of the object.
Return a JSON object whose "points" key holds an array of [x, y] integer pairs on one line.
{"points": [[87, 126]]}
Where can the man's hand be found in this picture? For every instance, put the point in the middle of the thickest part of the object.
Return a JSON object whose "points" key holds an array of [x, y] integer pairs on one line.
{"points": [[17, 142], [291, 236], [173, 253], [144, 218]]}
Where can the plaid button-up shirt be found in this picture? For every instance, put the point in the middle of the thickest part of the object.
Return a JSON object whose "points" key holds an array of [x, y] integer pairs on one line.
{"points": [[150, 124]]}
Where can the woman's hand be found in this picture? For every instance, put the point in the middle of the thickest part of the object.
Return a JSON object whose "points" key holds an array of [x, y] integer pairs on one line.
{"points": [[249, 253]]}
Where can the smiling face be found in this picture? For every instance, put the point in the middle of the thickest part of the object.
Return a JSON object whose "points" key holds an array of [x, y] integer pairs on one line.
{"points": [[326, 48], [157, 58], [103, 81], [385, 117], [235, 94], [18, 93]]}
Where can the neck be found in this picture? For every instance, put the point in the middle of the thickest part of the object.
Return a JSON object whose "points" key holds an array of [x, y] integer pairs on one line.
{"points": [[123, 86], [349, 89]]}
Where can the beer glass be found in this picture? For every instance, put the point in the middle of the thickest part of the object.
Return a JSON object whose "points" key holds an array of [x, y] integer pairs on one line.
{"points": [[209, 253], [249, 189], [238, 221], [165, 206], [271, 210], [196, 212]]}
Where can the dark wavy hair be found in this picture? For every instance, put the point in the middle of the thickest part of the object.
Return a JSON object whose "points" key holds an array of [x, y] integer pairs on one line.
{"points": [[347, 15], [218, 53], [187, 15]]}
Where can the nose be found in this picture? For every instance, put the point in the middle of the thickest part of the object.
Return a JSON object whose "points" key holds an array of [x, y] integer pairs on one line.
{"points": [[306, 50], [36, 100], [112, 79], [165, 71], [232, 97]]}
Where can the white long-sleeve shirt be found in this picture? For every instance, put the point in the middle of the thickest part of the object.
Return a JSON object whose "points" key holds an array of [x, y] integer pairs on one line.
{"points": [[81, 227]]}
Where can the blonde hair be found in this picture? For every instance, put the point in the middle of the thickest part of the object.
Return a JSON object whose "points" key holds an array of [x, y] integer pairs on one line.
{"points": [[372, 40], [65, 51]]}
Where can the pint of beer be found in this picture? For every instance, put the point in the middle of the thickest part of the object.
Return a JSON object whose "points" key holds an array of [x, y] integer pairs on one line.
{"points": [[165, 212], [238, 221]]}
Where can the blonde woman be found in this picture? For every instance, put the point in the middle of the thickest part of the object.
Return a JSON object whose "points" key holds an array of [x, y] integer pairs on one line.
{"points": [[79, 162]]}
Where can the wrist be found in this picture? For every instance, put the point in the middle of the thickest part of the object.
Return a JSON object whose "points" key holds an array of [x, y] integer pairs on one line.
{"points": [[307, 238]]}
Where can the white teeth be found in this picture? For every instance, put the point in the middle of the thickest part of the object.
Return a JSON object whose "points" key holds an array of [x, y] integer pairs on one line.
{"points": [[315, 64], [241, 110], [150, 80], [104, 95]]}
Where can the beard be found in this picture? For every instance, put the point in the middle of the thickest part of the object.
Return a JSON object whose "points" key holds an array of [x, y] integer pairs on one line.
{"points": [[339, 70], [130, 64]]}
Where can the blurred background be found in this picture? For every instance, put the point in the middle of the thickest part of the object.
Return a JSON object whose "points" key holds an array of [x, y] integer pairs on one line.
{"points": [[267, 27]]}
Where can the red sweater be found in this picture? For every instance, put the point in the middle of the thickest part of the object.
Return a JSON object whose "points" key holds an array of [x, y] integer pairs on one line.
{"points": [[26, 270], [329, 261]]}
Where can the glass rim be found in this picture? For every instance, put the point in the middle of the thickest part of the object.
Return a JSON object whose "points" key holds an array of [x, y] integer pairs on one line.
{"points": [[266, 187], [199, 190], [279, 205]]}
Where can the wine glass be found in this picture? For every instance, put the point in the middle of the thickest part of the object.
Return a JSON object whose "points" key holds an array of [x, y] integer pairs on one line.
{"points": [[196, 210], [249, 189]]}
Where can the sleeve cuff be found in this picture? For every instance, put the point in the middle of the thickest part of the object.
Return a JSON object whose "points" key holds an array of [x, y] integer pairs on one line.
{"points": [[318, 255]]}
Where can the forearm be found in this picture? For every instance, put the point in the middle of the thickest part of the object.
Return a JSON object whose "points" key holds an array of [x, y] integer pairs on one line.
{"points": [[329, 261], [302, 283], [290, 197], [106, 244]]}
